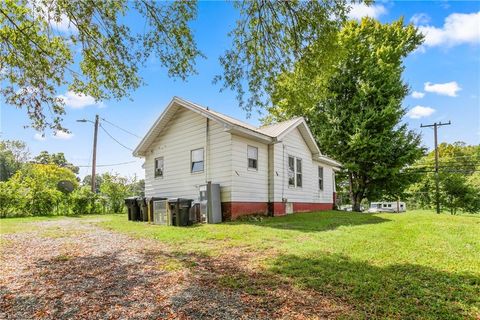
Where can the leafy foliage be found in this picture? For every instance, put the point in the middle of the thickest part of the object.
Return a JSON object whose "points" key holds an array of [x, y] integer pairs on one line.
{"points": [[269, 37], [87, 47], [355, 107], [84, 201], [459, 168], [38, 185], [116, 188], [13, 154], [55, 158]]}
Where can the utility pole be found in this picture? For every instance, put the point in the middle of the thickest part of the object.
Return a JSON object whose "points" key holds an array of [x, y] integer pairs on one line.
{"points": [[94, 156], [435, 126]]}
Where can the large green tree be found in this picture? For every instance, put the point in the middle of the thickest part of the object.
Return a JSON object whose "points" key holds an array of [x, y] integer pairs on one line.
{"points": [[58, 159], [354, 105], [87, 47]]}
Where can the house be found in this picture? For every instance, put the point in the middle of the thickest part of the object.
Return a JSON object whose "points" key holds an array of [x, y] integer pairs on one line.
{"points": [[276, 169]]}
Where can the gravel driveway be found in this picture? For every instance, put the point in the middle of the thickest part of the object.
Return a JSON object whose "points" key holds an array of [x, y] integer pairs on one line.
{"points": [[71, 269]]}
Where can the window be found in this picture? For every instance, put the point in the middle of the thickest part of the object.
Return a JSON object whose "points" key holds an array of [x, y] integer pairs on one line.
{"points": [[320, 178], [291, 171], [252, 156], [158, 167], [299, 172], [197, 160], [294, 171]]}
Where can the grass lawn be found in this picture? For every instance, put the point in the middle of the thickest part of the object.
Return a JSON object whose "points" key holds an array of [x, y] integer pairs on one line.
{"points": [[403, 266]]}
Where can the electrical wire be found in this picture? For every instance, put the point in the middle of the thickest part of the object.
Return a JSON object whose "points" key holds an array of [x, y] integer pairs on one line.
{"points": [[107, 165], [121, 144], [124, 130]]}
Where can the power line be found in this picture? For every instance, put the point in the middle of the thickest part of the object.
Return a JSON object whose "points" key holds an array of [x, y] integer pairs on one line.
{"points": [[124, 130], [107, 165], [121, 144]]}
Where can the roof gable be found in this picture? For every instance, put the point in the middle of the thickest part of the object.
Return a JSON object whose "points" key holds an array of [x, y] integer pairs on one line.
{"points": [[265, 134]]}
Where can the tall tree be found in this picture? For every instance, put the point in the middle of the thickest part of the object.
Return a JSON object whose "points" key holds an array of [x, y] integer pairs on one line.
{"points": [[354, 105], [86, 46], [13, 154], [58, 159]]}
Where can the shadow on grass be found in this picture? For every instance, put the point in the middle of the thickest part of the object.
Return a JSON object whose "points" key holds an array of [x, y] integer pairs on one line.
{"points": [[403, 291], [317, 221]]}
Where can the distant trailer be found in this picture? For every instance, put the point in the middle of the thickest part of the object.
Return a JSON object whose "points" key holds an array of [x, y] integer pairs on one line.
{"points": [[396, 206]]}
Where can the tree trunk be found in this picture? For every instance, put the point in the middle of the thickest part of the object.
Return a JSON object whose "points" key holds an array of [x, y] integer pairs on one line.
{"points": [[357, 200]]}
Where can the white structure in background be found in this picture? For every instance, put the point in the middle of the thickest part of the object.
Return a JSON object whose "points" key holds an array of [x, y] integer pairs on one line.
{"points": [[396, 206]]}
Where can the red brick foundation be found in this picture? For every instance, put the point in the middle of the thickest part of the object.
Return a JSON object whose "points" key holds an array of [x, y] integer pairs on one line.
{"points": [[307, 207], [234, 210]]}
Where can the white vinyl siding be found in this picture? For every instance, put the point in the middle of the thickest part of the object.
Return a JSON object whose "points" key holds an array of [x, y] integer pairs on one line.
{"points": [[249, 185], [186, 132], [294, 145]]}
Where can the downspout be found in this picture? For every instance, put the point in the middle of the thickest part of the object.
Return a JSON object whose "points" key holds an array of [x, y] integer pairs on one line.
{"points": [[207, 149], [283, 172]]}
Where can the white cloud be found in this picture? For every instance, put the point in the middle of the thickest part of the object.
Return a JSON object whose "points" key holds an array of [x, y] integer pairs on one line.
{"points": [[46, 10], [64, 25], [78, 100], [62, 135], [360, 10], [445, 89], [458, 28], [418, 112], [39, 137], [418, 95], [420, 19]]}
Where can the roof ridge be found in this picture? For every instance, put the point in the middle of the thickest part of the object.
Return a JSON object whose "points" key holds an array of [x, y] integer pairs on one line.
{"points": [[280, 122]]}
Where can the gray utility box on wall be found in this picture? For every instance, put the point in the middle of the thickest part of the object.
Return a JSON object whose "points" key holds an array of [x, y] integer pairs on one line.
{"points": [[210, 202]]}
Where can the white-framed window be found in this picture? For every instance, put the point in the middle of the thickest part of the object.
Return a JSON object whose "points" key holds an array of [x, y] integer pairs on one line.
{"points": [[298, 169], [294, 171], [159, 163], [320, 178], [252, 157], [197, 160]]}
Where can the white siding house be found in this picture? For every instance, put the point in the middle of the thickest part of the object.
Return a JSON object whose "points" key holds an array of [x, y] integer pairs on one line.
{"points": [[274, 169]]}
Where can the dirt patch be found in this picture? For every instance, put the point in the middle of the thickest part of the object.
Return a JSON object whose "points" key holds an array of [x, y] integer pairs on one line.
{"points": [[71, 269]]}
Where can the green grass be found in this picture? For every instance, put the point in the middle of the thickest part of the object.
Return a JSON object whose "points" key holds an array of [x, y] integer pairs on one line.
{"points": [[413, 265], [417, 265]]}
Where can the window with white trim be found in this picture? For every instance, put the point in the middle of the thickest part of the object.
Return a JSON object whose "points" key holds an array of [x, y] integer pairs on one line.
{"points": [[294, 171], [320, 178], [197, 160], [298, 170], [252, 157], [158, 167]]}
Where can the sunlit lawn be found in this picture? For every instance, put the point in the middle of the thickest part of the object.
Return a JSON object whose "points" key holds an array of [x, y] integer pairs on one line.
{"points": [[412, 265]]}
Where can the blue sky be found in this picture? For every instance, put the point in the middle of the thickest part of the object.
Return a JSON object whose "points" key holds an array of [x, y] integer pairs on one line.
{"points": [[444, 73]]}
